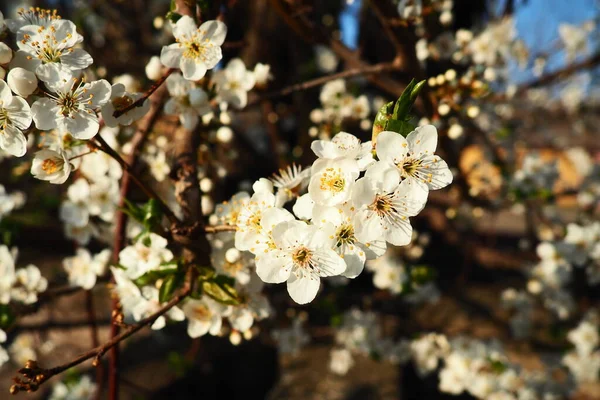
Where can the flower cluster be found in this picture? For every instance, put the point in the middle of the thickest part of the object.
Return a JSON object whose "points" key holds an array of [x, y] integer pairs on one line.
{"points": [[584, 361], [354, 205], [21, 285]]}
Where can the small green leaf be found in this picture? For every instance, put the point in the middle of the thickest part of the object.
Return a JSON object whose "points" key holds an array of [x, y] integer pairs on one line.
{"points": [[173, 16], [152, 276], [168, 287], [221, 291]]}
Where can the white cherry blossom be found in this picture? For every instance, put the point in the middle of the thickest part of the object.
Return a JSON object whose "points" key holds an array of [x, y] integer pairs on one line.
{"points": [[143, 257], [15, 116], [384, 206], [32, 16], [7, 273], [344, 145], [71, 109], [414, 157], [120, 99], [50, 49], [197, 49], [51, 165], [187, 101], [204, 316], [233, 83], [332, 180], [83, 269], [302, 256]]}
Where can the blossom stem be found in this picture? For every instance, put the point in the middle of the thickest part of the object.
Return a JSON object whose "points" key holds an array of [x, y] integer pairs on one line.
{"points": [[139, 102]]}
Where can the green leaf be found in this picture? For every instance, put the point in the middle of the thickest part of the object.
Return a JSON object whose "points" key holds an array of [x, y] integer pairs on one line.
{"points": [[168, 287], [395, 116], [152, 214], [152, 276], [221, 290], [173, 16]]}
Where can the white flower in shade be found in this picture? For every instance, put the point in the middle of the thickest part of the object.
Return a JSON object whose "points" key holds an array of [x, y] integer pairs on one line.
{"points": [[32, 16], [331, 92], [384, 206], [344, 145], [7, 273], [389, 274], [50, 165], [21, 81], [341, 361], [187, 101], [574, 39], [427, 352], [129, 294], [83, 269], [159, 165], [582, 239], [51, 49], [72, 108], [15, 116], [302, 255], [583, 367], [147, 254], [119, 100], [229, 211], [82, 389], [585, 337], [346, 245], [233, 83], [262, 74], [152, 306], [74, 210], [414, 158], [23, 348], [230, 261], [332, 180], [255, 306], [80, 234], [204, 316], [28, 283], [290, 181], [197, 49], [3, 353]]}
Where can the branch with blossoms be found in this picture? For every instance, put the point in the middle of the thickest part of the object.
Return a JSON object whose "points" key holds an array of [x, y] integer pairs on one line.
{"points": [[172, 255]]}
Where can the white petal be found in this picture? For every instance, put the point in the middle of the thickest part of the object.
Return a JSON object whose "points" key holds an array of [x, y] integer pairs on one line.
{"points": [[303, 290], [215, 31], [400, 233], [273, 267], [185, 27], [355, 262], [13, 141], [81, 125], [170, 55], [367, 226], [99, 91], [329, 262], [422, 140], [192, 70], [391, 147], [77, 59], [44, 112]]}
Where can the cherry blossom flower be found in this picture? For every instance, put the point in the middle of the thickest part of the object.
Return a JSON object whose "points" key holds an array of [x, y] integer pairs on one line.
{"points": [[72, 108], [50, 49], [344, 145], [187, 101], [233, 83], [145, 255], [204, 316], [83, 269], [332, 180], [32, 16], [302, 255], [197, 49], [51, 165], [15, 116], [414, 157], [384, 206], [7, 273]]}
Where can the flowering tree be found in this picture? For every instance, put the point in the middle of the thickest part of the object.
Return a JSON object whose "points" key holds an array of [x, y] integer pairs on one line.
{"points": [[165, 190]]}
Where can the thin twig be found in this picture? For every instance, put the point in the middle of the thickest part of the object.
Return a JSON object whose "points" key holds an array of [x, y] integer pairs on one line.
{"points": [[220, 228], [139, 102], [364, 70], [36, 376]]}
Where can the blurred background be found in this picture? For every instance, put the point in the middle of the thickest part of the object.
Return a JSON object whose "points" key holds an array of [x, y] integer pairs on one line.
{"points": [[513, 88]]}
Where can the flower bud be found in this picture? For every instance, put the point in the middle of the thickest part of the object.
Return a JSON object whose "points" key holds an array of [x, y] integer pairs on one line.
{"points": [[21, 81], [154, 68]]}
